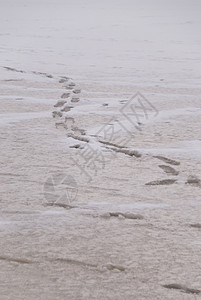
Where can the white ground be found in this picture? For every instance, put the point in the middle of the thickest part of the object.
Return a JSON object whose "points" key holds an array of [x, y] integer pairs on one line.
{"points": [[85, 245]]}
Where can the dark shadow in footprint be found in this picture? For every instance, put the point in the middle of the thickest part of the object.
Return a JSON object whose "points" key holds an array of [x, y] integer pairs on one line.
{"points": [[75, 99], [67, 108], [60, 103], [182, 288], [77, 146], [193, 180], [42, 73], [8, 80], [65, 95], [169, 170], [61, 125], [162, 182], [127, 152], [75, 262], [63, 205], [63, 79], [196, 225], [14, 70], [16, 260], [79, 138], [111, 144], [167, 160], [56, 114], [70, 86], [77, 91], [126, 215], [112, 267]]}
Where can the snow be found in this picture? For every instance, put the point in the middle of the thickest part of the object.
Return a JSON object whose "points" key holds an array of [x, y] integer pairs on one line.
{"points": [[112, 50]]}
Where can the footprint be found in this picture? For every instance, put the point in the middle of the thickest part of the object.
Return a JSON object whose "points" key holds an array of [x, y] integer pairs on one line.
{"points": [[63, 205], [78, 130], [123, 101], [66, 108], [127, 152], [111, 144], [169, 170], [65, 95], [196, 225], [77, 91], [126, 215], [111, 267], [60, 103], [193, 180], [70, 86], [69, 121], [182, 288], [16, 260], [79, 138], [63, 79], [14, 70], [162, 182], [61, 125], [42, 73], [76, 262], [77, 146], [8, 80], [75, 99], [167, 160], [56, 114]]}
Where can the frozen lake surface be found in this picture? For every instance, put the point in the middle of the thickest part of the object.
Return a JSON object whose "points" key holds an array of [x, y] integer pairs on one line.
{"points": [[100, 149]]}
